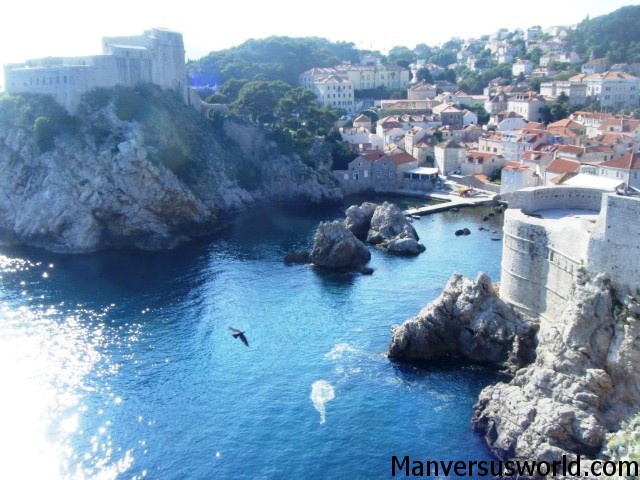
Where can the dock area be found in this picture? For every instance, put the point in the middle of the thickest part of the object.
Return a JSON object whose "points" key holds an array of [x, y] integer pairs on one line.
{"points": [[451, 200]]}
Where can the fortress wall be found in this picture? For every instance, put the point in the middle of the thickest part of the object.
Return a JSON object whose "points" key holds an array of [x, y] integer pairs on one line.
{"points": [[615, 244], [523, 253], [67, 78], [543, 198], [536, 276], [541, 257]]}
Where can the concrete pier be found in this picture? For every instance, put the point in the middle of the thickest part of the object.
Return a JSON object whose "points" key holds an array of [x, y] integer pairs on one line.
{"points": [[450, 201]]}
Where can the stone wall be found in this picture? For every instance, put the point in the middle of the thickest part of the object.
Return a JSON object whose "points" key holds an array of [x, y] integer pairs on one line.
{"points": [[156, 57], [615, 243], [542, 256], [544, 198]]}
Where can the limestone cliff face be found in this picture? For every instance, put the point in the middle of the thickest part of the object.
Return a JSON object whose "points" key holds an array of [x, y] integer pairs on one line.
{"points": [[467, 320], [146, 174], [585, 380]]}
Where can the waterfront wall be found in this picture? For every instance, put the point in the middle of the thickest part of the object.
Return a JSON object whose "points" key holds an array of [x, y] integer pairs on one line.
{"points": [[545, 198], [615, 243], [542, 256]]}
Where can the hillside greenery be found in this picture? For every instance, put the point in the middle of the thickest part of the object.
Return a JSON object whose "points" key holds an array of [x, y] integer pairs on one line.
{"points": [[615, 36], [269, 59]]}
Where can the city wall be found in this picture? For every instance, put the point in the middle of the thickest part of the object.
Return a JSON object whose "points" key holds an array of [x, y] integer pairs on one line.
{"points": [[542, 256]]}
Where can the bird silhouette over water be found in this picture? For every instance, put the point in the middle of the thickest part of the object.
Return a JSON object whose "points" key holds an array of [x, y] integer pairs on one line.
{"points": [[239, 334]]}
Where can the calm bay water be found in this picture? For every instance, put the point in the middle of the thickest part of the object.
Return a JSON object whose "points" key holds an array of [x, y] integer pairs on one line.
{"points": [[121, 365]]}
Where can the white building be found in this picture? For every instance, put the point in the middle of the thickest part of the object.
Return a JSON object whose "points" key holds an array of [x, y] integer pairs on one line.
{"points": [[362, 77], [576, 92], [524, 67], [421, 91], [335, 91], [449, 156], [528, 104], [611, 89], [156, 56]]}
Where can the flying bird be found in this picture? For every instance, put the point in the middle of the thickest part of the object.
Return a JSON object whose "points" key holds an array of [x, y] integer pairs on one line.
{"points": [[238, 334]]}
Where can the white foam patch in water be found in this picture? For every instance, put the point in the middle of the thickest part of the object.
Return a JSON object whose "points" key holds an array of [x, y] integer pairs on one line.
{"points": [[321, 393], [338, 351]]}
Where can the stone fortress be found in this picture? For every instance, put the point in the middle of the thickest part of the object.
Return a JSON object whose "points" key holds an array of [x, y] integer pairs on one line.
{"points": [[157, 56], [554, 234]]}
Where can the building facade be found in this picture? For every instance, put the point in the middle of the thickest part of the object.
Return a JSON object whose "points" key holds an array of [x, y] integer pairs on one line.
{"points": [[157, 56]]}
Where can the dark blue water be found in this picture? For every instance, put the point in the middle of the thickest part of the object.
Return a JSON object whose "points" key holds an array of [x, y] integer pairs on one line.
{"points": [[121, 365]]}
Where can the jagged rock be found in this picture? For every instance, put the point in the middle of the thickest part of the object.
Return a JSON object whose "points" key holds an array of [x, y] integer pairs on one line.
{"points": [[300, 258], [405, 246], [334, 246], [137, 184], [358, 219], [468, 320], [390, 228], [584, 381], [388, 222]]}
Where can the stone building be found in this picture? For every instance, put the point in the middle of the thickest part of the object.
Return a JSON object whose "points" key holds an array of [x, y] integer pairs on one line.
{"points": [[157, 56], [552, 233]]}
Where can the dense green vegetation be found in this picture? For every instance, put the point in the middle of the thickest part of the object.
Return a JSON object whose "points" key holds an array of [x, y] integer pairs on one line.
{"points": [[39, 113], [615, 36], [272, 58]]}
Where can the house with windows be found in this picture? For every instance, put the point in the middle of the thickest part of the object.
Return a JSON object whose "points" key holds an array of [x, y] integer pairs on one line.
{"points": [[449, 156], [528, 104], [476, 162], [625, 168], [611, 89], [332, 89], [576, 92], [376, 171], [421, 91], [515, 176]]}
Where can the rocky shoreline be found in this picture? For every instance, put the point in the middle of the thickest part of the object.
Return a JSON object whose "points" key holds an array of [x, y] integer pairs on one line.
{"points": [[342, 245], [573, 382], [101, 180]]}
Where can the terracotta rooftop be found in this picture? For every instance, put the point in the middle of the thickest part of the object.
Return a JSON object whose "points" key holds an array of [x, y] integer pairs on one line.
{"points": [[563, 165], [630, 161]]}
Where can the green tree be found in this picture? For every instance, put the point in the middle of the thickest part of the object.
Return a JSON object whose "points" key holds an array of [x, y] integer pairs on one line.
{"points": [[478, 109], [424, 75], [216, 98], [231, 89], [45, 134], [534, 84], [401, 56]]}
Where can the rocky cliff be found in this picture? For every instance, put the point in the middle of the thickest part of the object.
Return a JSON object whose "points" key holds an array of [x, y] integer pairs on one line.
{"points": [[467, 320], [135, 168], [583, 383], [573, 383]]}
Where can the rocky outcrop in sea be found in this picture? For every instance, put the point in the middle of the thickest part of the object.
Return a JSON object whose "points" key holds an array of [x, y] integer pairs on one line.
{"points": [[575, 380], [583, 383], [135, 169], [334, 246], [467, 320], [384, 226]]}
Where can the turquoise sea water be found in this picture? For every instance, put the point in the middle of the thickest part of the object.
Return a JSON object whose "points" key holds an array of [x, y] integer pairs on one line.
{"points": [[121, 364]]}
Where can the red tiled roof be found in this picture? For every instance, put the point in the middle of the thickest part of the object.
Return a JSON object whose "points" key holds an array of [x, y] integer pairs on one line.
{"points": [[400, 157], [373, 156], [563, 165], [630, 161], [482, 177]]}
